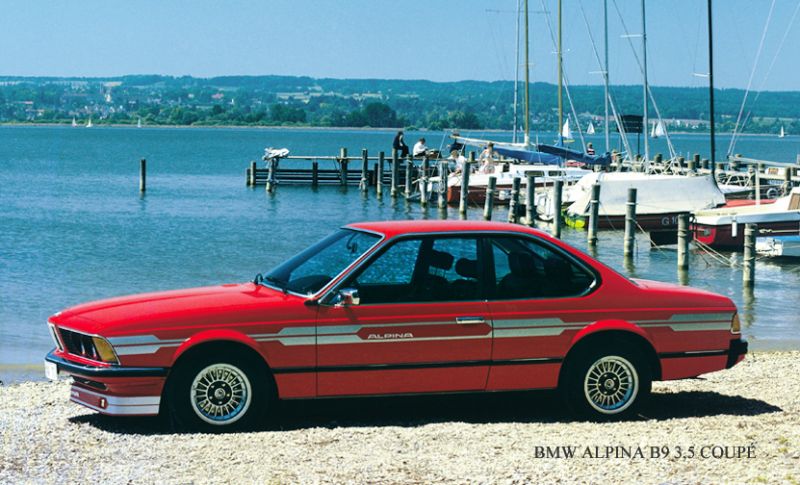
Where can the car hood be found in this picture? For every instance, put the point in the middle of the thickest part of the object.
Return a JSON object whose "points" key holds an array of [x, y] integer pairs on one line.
{"points": [[167, 310]]}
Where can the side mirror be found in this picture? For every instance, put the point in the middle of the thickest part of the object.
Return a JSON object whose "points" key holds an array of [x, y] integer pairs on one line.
{"points": [[348, 297]]}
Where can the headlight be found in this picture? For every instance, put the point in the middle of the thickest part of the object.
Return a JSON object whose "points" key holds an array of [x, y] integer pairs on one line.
{"points": [[104, 350], [736, 327]]}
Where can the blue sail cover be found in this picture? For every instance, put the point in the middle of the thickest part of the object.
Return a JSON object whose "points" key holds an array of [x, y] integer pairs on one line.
{"points": [[529, 156], [564, 152]]}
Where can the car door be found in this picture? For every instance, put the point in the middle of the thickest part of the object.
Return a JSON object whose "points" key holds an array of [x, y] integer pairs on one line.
{"points": [[421, 323], [539, 298]]}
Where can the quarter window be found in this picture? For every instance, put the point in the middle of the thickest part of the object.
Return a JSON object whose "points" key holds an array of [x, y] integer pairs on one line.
{"points": [[526, 269]]}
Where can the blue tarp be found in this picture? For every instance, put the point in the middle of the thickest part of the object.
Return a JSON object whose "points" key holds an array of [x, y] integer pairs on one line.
{"points": [[529, 156], [552, 155]]}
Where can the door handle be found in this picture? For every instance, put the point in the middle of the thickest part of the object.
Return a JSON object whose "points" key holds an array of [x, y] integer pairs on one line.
{"points": [[469, 320]]}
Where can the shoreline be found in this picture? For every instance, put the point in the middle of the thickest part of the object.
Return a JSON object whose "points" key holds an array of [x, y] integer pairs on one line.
{"points": [[333, 128]]}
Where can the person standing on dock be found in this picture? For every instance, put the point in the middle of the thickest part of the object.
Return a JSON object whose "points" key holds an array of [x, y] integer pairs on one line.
{"points": [[420, 149], [399, 145]]}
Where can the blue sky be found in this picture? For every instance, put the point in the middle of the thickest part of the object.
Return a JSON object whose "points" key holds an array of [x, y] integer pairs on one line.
{"points": [[440, 40]]}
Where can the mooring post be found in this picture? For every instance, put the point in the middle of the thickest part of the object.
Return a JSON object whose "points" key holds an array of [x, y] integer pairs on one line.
{"points": [[696, 160], [530, 202], [142, 175], [513, 206], [594, 211], [395, 173], [683, 241], [423, 183], [630, 224], [409, 170], [343, 162], [462, 201], [364, 184], [315, 173], [704, 164], [557, 191], [749, 258], [787, 180], [379, 175], [252, 180], [442, 187], [488, 205], [271, 176]]}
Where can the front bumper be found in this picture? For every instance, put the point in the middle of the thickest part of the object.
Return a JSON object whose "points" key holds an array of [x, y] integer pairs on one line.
{"points": [[736, 352], [115, 390]]}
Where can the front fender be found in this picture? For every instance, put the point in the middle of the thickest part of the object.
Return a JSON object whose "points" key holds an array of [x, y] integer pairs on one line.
{"points": [[215, 336]]}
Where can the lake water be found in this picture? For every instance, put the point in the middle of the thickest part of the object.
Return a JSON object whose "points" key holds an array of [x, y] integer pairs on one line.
{"points": [[73, 226]]}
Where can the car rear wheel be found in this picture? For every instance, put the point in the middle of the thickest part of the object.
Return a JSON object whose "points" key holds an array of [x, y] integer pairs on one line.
{"points": [[607, 384], [213, 393]]}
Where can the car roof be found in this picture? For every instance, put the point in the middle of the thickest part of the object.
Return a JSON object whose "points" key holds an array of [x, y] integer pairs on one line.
{"points": [[395, 228]]}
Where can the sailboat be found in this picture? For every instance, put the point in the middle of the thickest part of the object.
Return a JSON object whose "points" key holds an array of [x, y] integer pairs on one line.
{"points": [[89, 123], [782, 134], [658, 130], [566, 133], [74, 123], [139, 123], [590, 129]]}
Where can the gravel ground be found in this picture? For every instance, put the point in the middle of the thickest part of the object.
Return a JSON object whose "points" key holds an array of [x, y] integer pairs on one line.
{"points": [[753, 408]]}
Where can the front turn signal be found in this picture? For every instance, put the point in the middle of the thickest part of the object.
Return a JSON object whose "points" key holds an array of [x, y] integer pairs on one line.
{"points": [[104, 350], [736, 327]]}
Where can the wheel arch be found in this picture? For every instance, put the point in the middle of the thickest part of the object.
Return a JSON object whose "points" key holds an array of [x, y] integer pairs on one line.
{"points": [[609, 333]]}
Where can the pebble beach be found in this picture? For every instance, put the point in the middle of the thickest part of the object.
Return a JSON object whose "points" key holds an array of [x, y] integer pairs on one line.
{"points": [[735, 426]]}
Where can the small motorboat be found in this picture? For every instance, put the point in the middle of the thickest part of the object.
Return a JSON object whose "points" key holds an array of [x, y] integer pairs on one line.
{"points": [[779, 246]]}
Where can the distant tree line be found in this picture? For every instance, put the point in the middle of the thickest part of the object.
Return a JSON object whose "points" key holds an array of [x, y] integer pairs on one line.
{"points": [[304, 101]]}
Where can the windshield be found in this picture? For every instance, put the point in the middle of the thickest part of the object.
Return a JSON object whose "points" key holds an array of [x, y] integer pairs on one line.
{"points": [[312, 269]]}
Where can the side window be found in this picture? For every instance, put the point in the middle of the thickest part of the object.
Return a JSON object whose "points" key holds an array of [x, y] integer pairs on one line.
{"points": [[421, 270], [526, 269]]}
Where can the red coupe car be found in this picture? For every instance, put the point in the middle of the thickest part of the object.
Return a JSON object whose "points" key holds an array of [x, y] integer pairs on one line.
{"points": [[396, 308]]}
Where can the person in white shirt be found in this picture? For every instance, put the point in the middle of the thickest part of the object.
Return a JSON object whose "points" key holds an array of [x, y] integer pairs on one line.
{"points": [[420, 148], [459, 160]]}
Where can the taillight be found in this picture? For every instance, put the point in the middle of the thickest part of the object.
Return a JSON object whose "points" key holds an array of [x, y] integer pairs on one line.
{"points": [[736, 327]]}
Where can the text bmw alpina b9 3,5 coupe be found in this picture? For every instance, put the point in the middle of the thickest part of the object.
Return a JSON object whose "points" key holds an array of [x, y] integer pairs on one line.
{"points": [[396, 308]]}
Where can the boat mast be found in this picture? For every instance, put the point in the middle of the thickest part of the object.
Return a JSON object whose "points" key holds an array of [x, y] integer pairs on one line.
{"points": [[711, 93], [645, 122], [605, 71], [516, 78], [527, 84], [560, 81]]}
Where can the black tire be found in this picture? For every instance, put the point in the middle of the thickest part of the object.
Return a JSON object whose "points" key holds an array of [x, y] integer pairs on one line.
{"points": [[607, 383], [215, 393]]}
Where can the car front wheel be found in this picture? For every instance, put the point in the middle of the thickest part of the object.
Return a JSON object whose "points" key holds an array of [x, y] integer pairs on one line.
{"points": [[215, 394], [605, 384]]}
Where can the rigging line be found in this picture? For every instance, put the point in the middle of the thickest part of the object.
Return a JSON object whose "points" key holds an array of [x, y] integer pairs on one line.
{"points": [[565, 81], [611, 102], [670, 146], [752, 75], [769, 70]]}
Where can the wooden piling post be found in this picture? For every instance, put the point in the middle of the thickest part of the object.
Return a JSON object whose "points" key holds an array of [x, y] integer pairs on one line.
{"points": [[423, 183], [513, 206], [364, 184], [315, 174], [705, 164], [379, 175], [749, 259], [630, 224], [343, 163], [683, 241], [271, 176], [594, 212], [691, 165], [530, 200], [409, 170], [462, 202], [557, 190], [488, 205], [696, 159], [252, 181], [443, 172], [142, 175], [395, 173]]}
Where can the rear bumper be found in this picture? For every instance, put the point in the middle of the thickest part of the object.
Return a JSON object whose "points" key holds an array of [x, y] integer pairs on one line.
{"points": [[115, 391], [736, 352]]}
